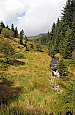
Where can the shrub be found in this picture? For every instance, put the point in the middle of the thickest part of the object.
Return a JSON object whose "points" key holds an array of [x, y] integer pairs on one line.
{"points": [[7, 50], [24, 45], [19, 56], [38, 47], [32, 46]]}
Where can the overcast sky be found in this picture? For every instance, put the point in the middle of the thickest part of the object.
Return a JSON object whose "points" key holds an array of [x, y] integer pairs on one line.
{"points": [[33, 16]]}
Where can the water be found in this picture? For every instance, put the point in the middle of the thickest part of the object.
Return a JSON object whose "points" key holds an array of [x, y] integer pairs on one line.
{"points": [[53, 63], [53, 66]]}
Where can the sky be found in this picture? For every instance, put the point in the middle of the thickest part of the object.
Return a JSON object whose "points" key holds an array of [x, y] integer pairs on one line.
{"points": [[33, 16]]}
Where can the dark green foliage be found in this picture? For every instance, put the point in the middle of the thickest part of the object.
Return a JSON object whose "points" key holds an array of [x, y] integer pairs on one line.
{"points": [[21, 37], [25, 41], [61, 39], [58, 21], [12, 27], [43, 40], [16, 33], [25, 45], [62, 68], [1, 26], [7, 27], [48, 37], [31, 46]]}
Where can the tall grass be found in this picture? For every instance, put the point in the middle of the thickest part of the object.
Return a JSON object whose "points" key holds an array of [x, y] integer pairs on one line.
{"points": [[24, 86]]}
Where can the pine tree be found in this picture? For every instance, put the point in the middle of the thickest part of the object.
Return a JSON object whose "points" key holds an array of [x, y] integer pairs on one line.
{"points": [[2, 24], [48, 37], [21, 37], [12, 27], [67, 13], [16, 33], [58, 21]]}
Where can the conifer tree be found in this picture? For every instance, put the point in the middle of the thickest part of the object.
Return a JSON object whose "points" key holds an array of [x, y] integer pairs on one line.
{"points": [[12, 27], [16, 33], [21, 37], [48, 37], [58, 22], [2, 24]]}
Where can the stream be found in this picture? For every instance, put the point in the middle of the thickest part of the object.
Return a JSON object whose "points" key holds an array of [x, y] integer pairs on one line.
{"points": [[53, 66]]}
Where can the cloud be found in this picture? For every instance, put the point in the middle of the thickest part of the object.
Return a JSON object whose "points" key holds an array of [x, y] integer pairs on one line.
{"points": [[33, 16]]}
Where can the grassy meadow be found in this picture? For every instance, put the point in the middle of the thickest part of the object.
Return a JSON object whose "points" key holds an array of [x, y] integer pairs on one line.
{"points": [[24, 85]]}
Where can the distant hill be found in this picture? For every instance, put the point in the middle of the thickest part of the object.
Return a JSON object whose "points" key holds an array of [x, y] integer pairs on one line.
{"points": [[37, 36]]}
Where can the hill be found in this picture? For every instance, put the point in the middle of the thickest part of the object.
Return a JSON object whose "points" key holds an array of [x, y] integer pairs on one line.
{"points": [[25, 82], [37, 36]]}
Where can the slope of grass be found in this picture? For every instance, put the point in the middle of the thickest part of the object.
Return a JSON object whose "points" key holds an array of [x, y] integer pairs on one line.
{"points": [[24, 85]]}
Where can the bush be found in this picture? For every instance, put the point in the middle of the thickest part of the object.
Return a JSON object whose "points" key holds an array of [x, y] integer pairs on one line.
{"points": [[38, 47], [25, 45], [27, 48], [19, 56], [7, 50], [32, 46]]}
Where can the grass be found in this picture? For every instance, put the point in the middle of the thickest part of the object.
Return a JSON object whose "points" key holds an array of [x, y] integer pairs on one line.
{"points": [[24, 84]]}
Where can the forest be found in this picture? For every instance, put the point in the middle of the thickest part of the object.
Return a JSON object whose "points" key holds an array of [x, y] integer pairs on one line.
{"points": [[61, 39], [27, 85]]}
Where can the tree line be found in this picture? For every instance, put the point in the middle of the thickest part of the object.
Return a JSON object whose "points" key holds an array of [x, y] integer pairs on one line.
{"points": [[8, 32], [12, 32], [61, 39]]}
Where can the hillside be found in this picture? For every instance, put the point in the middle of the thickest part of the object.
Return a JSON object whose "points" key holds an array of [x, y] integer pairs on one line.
{"points": [[24, 82], [37, 36]]}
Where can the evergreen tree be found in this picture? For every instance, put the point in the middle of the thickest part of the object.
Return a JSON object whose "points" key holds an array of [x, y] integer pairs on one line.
{"points": [[58, 21], [21, 37], [0, 29], [48, 37], [67, 13], [12, 27], [2, 24], [23, 33], [16, 33], [7, 27]]}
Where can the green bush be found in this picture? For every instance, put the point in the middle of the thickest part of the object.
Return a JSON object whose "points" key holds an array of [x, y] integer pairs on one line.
{"points": [[7, 50], [31, 46], [19, 56], [25, 45], [38, 47]]}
